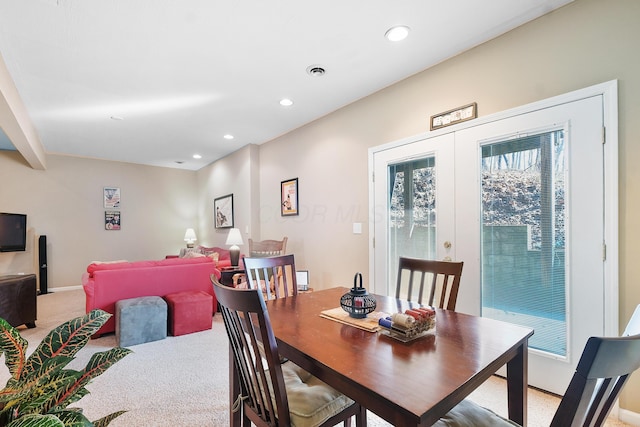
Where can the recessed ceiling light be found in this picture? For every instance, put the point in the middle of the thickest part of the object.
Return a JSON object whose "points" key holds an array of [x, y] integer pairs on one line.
{"points": [[395, 34], [286, 102], [117, 118], [197, 156], [228, 136]]}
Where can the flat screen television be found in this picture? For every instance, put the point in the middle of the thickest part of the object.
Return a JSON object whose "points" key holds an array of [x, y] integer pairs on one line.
{"points": [[13, 232]]}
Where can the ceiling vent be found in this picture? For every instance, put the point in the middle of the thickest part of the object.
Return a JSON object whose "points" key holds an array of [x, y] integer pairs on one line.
{"points": [[315, 71]]}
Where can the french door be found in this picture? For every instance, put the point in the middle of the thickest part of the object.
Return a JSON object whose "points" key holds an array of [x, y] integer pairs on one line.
{"points": [[520, 200], [413, 181]]}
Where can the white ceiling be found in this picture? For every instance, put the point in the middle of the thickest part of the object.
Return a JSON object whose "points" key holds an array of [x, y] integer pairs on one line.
{"points": [[183, 73]]}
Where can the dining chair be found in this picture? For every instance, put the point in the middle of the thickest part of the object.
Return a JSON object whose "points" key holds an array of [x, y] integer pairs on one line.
{"points": [[602, 371], [444, 281], [276, 275], [267, 248], [274, 393]]}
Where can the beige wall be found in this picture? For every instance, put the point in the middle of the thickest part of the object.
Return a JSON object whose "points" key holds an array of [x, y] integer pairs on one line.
{"points": [[582, 44], [64, 202], [237, 174]]}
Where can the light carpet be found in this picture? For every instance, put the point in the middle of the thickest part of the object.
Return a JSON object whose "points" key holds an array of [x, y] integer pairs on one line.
{"points": [[183, 381]]}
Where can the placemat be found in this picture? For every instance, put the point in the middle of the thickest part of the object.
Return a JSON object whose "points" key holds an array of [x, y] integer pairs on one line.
{"points": [[369, 323]]}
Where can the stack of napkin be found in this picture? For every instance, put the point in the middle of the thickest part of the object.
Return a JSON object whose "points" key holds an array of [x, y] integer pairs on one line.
{"points": [[369, 323]]}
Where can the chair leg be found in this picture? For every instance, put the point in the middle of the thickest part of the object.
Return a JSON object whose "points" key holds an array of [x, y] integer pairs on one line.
{"points": [[246, 422], [361, 417], [347, 422]]}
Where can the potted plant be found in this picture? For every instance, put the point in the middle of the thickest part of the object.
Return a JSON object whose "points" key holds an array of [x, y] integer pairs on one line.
{"points": [[41, 387]]}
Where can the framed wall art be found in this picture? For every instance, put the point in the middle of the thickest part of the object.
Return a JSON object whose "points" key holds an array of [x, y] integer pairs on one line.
{"points": [[223, 211], [111, 197], [112, 220], [289, 197]]}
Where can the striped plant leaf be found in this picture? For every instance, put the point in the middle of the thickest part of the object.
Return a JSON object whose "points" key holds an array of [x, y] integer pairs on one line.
{"points": [[98, 363], [67, 339], [37, 420], [73, 418], [44, 398], [14, 348], [104, 421], [15, 390], [40, 387]]}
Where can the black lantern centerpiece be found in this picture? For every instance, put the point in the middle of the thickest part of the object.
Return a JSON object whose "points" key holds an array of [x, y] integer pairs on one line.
{"points": [[358, 303]]}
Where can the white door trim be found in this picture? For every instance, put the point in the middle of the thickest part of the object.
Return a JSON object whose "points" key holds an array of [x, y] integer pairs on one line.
{"points": [[609, 92]]}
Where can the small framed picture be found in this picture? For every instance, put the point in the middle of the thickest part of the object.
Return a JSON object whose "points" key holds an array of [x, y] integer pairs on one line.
{"points": [[289, 197], [302, 279], [112, 220], [223, 211], [111, 197]]}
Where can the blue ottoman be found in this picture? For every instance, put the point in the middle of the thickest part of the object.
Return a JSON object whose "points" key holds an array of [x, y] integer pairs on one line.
{"points": [[140, 320]]}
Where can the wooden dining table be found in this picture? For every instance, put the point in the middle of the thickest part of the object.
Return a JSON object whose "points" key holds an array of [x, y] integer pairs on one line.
{"points": [[406, 383]]}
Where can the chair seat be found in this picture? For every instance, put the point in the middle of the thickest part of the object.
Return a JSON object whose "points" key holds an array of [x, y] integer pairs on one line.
{"points": [[468, 414], [311, 401]]}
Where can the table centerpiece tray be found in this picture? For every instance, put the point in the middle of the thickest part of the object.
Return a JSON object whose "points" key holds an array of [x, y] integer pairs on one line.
{"points": [[404, 338]]}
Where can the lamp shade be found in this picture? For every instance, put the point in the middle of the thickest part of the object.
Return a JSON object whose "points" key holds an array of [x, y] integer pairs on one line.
{"points": [[235, 237], [190, 237]]}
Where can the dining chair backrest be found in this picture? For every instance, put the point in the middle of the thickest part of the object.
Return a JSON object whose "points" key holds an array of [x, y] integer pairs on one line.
{"points": [[603, 369], [421, 280], [267, 248], [264, 378], [252, 341], [276, 276]]}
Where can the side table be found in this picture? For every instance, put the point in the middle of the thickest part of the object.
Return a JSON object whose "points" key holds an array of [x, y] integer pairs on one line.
{"points": [[227, 274]]}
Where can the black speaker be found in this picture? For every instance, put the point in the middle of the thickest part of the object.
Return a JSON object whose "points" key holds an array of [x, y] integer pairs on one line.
{"points": [[42, 262]]}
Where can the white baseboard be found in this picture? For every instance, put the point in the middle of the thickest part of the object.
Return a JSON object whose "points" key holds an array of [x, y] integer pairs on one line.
{"points": [[65, 288], [629, 417]]}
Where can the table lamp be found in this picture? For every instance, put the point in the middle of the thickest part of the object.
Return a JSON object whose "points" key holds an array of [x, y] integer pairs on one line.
{"points": [[234, 238], [190, 237]]}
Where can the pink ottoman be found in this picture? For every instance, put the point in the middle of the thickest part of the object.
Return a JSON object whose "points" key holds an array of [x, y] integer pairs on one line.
{"points": [[189, 311]]}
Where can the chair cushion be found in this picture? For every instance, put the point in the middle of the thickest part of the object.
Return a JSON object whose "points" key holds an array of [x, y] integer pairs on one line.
{"points": [[311, 402], [468, 414]]}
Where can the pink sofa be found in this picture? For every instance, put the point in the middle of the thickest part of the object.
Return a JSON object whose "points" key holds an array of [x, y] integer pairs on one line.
{"points": [[106, 283]]}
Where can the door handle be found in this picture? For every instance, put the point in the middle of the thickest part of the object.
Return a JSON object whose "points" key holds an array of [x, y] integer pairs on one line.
{"points": [[447, 246]]}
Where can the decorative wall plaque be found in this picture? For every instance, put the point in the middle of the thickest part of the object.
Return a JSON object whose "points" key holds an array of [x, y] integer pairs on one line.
{"points": [[454, 116]]}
